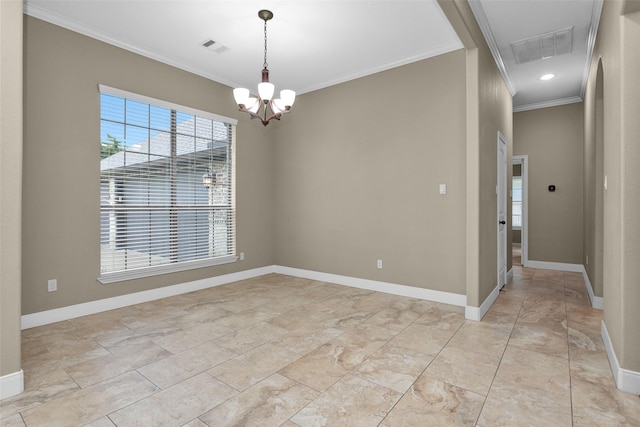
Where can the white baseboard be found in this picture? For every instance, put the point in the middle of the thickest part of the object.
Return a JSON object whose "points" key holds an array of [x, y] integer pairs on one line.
{"points": [[510, 275], [477, 313], [596, 302], [93, 307], [560, 266], [374, 285], [626, 380], [11, 384]]}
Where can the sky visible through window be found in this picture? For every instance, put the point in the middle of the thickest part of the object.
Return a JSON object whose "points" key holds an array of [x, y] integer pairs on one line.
{"points": [[131, 122]]}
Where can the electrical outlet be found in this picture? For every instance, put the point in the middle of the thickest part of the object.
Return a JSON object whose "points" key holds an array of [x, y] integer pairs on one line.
{"points": [[379, 264], [52, 285], [443, 188], [241, 256]]}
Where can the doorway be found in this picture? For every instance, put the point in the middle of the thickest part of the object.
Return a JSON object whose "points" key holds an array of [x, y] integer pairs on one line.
{"points": [[519, 200]]}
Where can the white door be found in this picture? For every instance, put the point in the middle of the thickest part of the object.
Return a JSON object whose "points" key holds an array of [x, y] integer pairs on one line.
{"points": [[502, 210]]}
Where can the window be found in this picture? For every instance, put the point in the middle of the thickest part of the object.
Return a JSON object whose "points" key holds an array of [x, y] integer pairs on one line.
{"points": [[517, 202], [166, 187]]}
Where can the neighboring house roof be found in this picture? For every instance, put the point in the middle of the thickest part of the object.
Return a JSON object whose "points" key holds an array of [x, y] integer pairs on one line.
{"points": [[158, 147]]}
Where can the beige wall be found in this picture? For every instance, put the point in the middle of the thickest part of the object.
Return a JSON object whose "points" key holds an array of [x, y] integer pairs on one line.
{"points": [[617, 46], [10, 184], [552, 138], [358, 168], [351, 181], [593, 182], [61, 173], [489, 110], [517, 236]]}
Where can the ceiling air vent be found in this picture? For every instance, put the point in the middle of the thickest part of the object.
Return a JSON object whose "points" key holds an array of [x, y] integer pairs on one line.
{"points": [[214, 46], [543, 46]]}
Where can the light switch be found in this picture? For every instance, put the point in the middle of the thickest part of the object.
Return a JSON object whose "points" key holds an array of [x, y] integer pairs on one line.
{"points": [[443, 188]]}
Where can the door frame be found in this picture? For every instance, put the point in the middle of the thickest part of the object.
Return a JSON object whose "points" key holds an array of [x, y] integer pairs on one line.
{"points": [[502, 196], [523, 160]]}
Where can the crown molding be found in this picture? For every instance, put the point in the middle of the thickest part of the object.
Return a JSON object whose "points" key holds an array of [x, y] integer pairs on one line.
{"points": [[546, 104], [72, 25], [483, 23], [596, 12], [389, 65]]}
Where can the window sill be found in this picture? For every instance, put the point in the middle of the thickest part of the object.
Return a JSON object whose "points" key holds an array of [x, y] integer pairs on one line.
{"points": [[138, 273]]}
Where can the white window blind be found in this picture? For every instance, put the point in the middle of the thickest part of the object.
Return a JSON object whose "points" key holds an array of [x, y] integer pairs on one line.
{"points": [[516, 207], [166, 187]]}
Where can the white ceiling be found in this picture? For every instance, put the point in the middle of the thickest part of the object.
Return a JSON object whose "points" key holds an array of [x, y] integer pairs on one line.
{"points": [[318, 43], [505, 22]]}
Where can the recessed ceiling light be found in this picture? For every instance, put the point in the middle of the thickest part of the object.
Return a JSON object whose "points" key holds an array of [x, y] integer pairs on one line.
{"points": [[547, 77]]}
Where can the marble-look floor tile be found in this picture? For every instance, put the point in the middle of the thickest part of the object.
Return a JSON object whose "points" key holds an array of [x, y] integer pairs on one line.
{"points": [[324, 366], [300, 318], [121, 360], [101, 422], [507, 303], [393, 318], [187, 338], [466, 369], [587, 349], [268, 403], [584, 319], [423, 339], [247, 318], [365, 338], [12, 421], [65, 353], [499, 318], [201, 313], [195, 423], [482, 337], [549, 374], [320, 337], [601, 404], [305, 340], [431, 402], [96, 326], [132, 337], [327, 364], [530, 388], [176, 405], [249, 368], [442, 318], [540, 339], [520, 405], [352, 402], [38, 389], [393, 367], [91, 403], [243, 340], [170, 371]]}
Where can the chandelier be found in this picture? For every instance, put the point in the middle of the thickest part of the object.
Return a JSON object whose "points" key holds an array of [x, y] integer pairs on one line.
{"points": [[258, 107]]}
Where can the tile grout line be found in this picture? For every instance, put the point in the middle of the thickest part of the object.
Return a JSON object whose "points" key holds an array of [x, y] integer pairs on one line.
{"points": [[501, 357]]}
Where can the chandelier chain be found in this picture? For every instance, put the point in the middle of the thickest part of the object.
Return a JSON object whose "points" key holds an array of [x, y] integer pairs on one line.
{"points": [[265, 65]]}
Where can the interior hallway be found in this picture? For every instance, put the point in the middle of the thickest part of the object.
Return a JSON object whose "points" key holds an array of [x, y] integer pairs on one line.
{"points": [[283, 351]]}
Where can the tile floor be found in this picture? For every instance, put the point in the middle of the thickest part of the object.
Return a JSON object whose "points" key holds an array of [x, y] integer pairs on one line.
{"points": [[283, 351]]}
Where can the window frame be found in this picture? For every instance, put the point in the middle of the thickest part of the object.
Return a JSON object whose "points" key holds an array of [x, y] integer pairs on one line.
{"points": [[171, 267]]}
